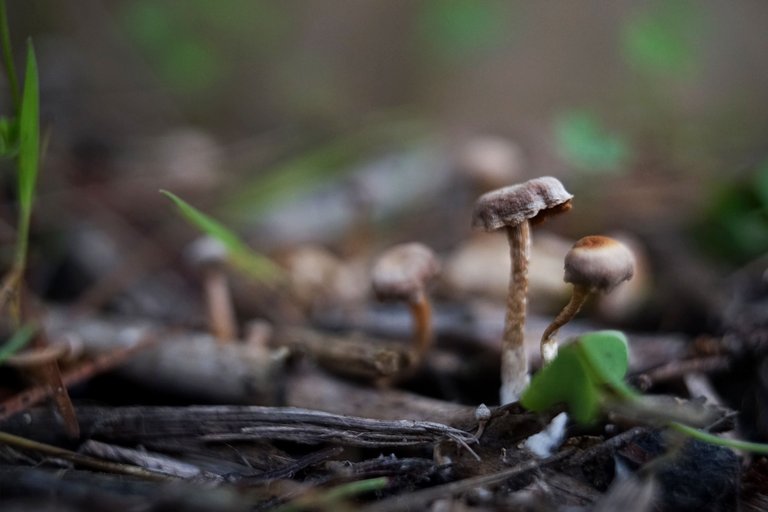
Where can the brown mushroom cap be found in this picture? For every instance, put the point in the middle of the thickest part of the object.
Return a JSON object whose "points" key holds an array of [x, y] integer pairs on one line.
{"points": [[402, 271], [510, 206], [599, 263]]}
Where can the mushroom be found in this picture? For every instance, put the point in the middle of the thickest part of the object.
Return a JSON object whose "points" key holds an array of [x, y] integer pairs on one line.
{"points": [[401, 273], [489, 162], [594, 264], [41, 365], [513, 208], [209, 255]]}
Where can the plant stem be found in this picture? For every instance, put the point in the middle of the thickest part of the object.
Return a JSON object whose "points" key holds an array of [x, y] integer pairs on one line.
{"points": [[514, 361], [719, 441]]}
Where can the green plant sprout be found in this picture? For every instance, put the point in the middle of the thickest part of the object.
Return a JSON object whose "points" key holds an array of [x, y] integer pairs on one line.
{"points": [[18, 341], [20, 138], [332, 499], [254, 264], [588, 376]]}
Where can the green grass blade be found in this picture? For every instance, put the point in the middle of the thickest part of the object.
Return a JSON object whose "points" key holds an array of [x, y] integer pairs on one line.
{"points": [[289, 179], [10, 69], [29, 152], [256, 265], [330, 499], [19, 339]]}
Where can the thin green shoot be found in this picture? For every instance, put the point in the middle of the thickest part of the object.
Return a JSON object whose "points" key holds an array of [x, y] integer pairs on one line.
{"points": [[10, 69], [335, 159], [19, 340], [331, 498], [706, 437], [29, 153], [243, 257]]}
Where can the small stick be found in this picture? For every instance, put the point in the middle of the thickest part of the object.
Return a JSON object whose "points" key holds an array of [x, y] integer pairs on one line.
{"points": [[419, 499], [76, 458]]}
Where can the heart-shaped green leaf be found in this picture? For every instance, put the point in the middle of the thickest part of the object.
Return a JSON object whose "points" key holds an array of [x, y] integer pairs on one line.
{"points": [[579, 375]]}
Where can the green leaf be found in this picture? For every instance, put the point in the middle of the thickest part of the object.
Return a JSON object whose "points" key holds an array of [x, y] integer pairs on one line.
{"points": [[29, 151], [19, 339], [565, 380], [256, 265], [9, 137], [580, 374]]}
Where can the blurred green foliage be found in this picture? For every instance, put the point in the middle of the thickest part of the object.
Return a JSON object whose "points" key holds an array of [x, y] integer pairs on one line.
{"points": [[662, 38], [18, 341], [585, 144], [189, 47], [735, 227], [289, 179], [461, 28]]}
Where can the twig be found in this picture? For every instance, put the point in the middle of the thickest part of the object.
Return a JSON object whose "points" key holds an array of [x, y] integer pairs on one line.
{"points": [[287, 471], [677, 368], [76, 458], [150, 461], [419, 499]]}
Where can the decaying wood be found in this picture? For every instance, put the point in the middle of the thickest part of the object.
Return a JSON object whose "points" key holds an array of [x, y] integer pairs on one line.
{"points": [[189, 363], [226, 423], [314, 390], [152, 461], [419, 499], [76, 458], [357, 357], [481, 325], [312, 427], [41, 488]]}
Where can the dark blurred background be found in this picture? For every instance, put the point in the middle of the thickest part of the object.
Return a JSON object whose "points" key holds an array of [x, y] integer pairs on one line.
{"points": [[286, 119]]}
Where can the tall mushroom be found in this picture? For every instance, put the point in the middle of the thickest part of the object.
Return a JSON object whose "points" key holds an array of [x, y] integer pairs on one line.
{"points": [[401, 273], [594, 264], [513, 208], [209, 256]]}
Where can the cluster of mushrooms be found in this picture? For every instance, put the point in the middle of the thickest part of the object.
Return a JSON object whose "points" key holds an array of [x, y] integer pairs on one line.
{"points": [[595, 264]]}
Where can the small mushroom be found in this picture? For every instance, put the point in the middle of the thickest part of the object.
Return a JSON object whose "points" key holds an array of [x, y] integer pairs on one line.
{"points": [[401, 273], [513, 208], [209, 255], [594, 264], [489, 162], [41, 365]]}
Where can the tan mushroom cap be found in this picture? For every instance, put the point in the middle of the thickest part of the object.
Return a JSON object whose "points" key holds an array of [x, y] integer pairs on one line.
{"points": [[38, 356], [402, 271], [206, 250], [532, 200], [599, 263]]}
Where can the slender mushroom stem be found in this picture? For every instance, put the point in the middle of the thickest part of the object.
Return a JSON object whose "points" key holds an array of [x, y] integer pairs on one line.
{"points": [[421, 312], [221, 316], [514, 361], [41, 365], [548, 341]]}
